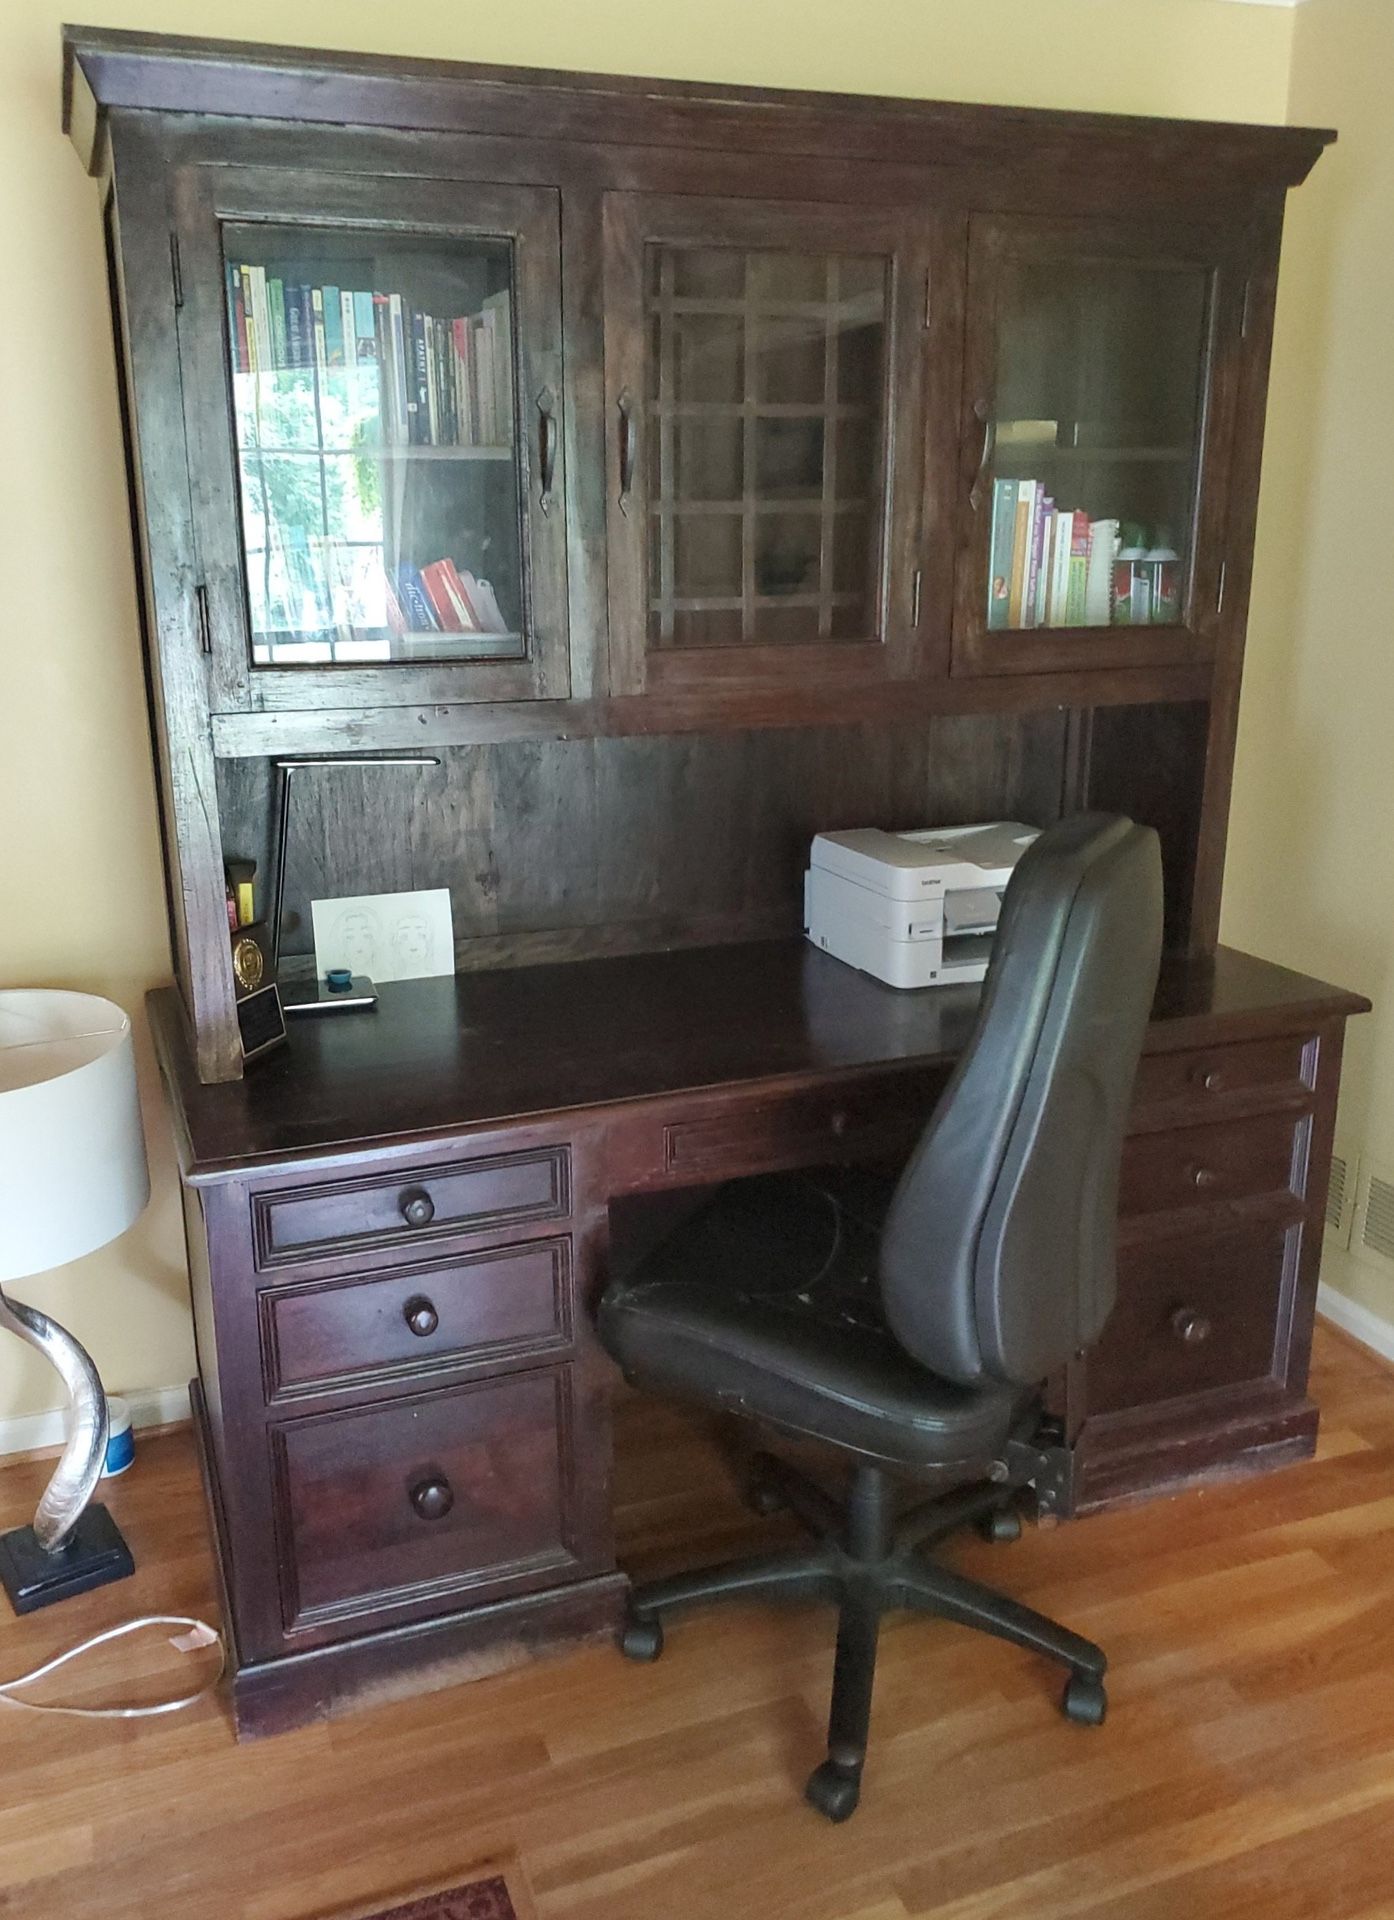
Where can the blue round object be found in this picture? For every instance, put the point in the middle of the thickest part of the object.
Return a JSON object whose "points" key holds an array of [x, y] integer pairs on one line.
{"points": [[120, 1453], [338, 979]]}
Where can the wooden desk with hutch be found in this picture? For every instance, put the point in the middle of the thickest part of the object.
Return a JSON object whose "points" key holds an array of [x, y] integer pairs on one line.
{"points": [[783, 428]]}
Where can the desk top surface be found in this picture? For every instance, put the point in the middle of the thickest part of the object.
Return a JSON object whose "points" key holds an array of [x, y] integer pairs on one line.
{"points": [[528, 1042]]}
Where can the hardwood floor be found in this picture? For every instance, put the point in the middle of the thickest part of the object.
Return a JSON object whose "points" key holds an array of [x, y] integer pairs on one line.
{"points": [[1247, 1768]]}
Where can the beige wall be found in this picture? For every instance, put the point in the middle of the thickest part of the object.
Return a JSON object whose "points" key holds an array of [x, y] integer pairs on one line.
{"points": [[1311, 864], [81, 892]]}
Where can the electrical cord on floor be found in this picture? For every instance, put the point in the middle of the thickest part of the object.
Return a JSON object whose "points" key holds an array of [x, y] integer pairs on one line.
{"points": [[199, 1634]]}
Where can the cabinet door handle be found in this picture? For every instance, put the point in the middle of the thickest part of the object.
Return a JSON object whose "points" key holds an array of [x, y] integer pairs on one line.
{"points": [[628, 440], [421, 1316], [418, 1208], [983, 413], [1192, 1329], [433, 1499], [546, 446]]}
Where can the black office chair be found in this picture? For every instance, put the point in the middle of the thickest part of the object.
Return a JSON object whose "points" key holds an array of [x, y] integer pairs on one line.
{"points": [[912, 1328]]}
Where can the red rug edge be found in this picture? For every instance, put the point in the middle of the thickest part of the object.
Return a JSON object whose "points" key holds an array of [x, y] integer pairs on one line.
{"points": [[432, 1900]]}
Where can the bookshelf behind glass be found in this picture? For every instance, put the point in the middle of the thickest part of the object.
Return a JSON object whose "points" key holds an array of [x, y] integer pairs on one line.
{"points": [[1092, 442], [375, 406]]}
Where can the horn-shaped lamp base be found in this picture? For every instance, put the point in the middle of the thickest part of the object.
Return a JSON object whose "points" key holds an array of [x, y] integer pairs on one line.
{"points": [[72, 1546], [93, 1554]]}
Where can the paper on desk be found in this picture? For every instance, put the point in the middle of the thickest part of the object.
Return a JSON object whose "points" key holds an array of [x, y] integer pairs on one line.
{"points": [[388, 936]]}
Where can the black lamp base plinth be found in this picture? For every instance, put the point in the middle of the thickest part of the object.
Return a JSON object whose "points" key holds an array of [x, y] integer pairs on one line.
{"points": [[94, 1554]]}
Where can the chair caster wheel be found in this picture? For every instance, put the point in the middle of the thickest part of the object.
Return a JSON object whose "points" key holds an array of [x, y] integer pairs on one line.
{"points": [[760, 1496], [763, 1500], [833, 1792], [641, 1639], [1001, 1526], [1084, 1701]]}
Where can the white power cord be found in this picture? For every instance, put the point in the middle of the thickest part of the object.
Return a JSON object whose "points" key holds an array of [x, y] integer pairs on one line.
{"points": [[199, 1634]]}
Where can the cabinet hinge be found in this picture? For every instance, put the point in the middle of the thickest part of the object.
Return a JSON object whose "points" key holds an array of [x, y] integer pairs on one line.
{"points": [[175, 272], [205, 626], [1220, 590], [1244, 312], [915, 598]]}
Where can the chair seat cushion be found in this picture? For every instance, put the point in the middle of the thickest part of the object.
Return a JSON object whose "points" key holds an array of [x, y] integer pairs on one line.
{"points": [[765, 1302]]}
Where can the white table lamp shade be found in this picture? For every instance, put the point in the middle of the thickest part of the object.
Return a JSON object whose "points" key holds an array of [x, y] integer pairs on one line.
{"points": [[73, 1173]]}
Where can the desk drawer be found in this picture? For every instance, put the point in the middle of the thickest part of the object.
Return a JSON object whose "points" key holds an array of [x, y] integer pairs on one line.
{"points": [[418, 1204], [425, 1498], [1230, 1160], [825, 1123], [1194, 1312], [499, 1304], [1218, 1078]]}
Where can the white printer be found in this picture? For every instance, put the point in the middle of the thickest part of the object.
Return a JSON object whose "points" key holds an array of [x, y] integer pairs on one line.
{"points": [[914, 909]]}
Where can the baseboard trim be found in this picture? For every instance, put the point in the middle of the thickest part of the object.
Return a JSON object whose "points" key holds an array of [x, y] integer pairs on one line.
{"points": [[1368, 1328], [36, 1432]]}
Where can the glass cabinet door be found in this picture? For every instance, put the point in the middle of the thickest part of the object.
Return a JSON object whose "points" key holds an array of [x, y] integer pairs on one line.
{"points": [[388, 498], [763, 385], [1096, 434]]}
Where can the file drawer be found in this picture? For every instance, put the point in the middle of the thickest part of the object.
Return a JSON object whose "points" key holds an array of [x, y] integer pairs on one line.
{"points": [[418, 1204], [1194, 1312], [493, 1305], [1232, 1160], [427, 1497]]}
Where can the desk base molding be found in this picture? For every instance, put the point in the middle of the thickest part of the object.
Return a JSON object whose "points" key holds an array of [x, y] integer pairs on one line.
{"points": [[1124, 1462]]}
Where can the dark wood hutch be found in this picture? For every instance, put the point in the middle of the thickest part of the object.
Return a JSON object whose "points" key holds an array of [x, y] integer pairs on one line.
{"points": [[684, 469]]}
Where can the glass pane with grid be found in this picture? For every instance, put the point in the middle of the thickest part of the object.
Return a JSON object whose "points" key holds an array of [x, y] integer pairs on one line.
{"points": [[765, 415], [373, 380]]}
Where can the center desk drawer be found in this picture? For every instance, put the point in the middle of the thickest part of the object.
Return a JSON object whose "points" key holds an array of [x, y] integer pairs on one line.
{"points": [[825, 1123], [435, 1495], [499, 1304], [341, 1216]]}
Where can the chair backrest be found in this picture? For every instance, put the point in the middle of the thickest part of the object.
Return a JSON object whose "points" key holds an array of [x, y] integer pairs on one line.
{"points": [[997, 1259]]}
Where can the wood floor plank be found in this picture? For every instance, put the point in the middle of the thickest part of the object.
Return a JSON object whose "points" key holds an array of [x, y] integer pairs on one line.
{"points": [[1246, 1771]]}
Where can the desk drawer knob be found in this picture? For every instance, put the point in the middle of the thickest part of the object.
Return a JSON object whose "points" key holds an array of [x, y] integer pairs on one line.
{"points": [[1207, 1078], [1192, 1329], [418, 1208], [1201, 1177], [421, 1316], [838, 1123], [433, 1499]]}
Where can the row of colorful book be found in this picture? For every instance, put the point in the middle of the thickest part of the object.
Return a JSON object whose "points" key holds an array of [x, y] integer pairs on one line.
{"points": [[434, 382], [1052, 566], [441, 598], [311, 587]]}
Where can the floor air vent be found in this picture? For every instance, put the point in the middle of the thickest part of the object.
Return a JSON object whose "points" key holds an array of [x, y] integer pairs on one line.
{"points": [[1377, 1218], [1340, 1195]]}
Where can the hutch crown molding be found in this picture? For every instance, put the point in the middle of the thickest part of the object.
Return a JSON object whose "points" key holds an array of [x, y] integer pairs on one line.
{"points": [[680, 470]]}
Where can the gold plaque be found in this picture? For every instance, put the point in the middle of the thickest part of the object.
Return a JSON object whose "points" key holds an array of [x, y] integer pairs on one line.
{"points": [[248, 962]]}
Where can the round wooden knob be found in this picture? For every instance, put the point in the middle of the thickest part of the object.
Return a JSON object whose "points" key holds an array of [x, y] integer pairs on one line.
{"points": [[433, 1499], [1191, 1328], [418, 1208], [421, 1316], [1202, 1176], [1207, 1078]]}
